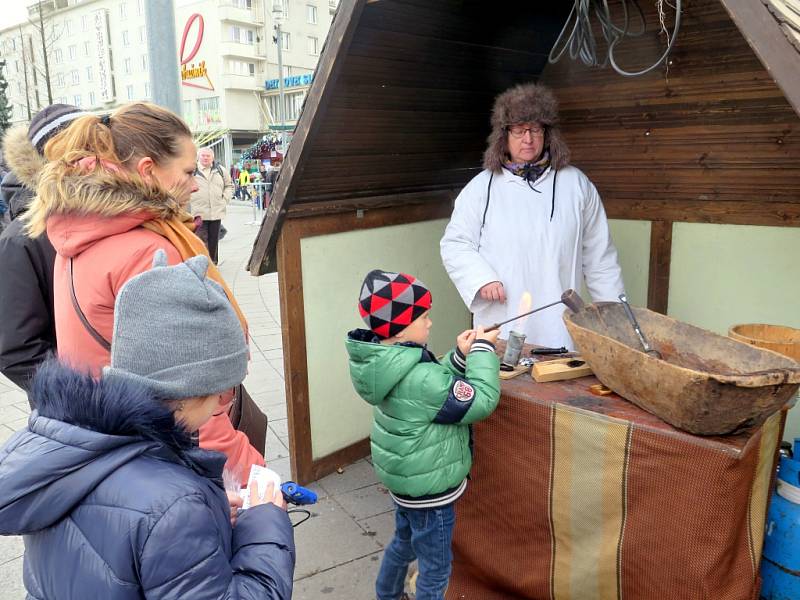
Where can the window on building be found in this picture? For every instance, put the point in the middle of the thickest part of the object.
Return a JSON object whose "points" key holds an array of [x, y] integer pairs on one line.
{"points": [[13, 43], [60, 79], [207, 105], [250, 36], [284, 5], [68, 26], [76, 100], [91, 99], [147, 89], [75, 76], [87, 48], [127, 63], [285, 40], [126, 39], [89, 73], [311, 14], [16, 66], [143, 34], [294, 104], [85, 23], [313, 45], [140, 7], [129, 91], [236, 33], [19, 87], [251, 68], [73, 52], [123, 10], [58, 56], [144, 62]]}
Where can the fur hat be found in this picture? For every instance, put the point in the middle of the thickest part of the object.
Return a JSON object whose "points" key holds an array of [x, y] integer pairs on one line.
{"points": [[526, 103], [176, 333], [390, 302]]}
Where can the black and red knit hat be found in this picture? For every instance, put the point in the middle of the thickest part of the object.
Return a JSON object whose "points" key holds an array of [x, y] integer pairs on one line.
{"points": [[390, 302]]}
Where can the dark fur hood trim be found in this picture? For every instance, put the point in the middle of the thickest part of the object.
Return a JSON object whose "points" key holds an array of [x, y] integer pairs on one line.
{"points": [[108, 407], [525, 103], [22, 157]]}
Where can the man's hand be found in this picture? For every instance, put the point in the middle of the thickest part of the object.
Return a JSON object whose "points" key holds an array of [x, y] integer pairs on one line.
{"points": [[493, 292], [464, 341], [489, 336]]}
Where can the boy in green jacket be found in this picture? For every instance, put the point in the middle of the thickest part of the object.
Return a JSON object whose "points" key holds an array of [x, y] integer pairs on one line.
{"points": [[421, 442]]}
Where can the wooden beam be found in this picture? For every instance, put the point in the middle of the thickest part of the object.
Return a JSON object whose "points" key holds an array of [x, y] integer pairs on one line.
{"points": [[330, 64], [290, 280], [764, 34], [660, 258], [773, 214]]}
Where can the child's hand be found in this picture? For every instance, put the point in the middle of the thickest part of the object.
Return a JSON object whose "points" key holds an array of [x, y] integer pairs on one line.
{"points": [[464, 341], [236, 502], [489, 336]]}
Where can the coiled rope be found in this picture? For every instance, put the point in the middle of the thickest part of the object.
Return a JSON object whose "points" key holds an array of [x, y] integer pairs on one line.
{"points": [[582, 43]]}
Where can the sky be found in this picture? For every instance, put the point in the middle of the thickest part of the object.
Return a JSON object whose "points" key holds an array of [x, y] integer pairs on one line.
{"points": [[13, 12]]}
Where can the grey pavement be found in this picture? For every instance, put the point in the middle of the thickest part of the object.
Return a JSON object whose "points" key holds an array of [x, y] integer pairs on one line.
{"points": [[340, 548]]}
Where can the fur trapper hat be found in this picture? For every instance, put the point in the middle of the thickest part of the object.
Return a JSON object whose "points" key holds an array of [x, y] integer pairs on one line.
{"points": [[525, 103]]}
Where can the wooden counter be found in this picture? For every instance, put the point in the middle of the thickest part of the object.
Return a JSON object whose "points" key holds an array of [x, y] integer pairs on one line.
{"points": [[581, 497]]}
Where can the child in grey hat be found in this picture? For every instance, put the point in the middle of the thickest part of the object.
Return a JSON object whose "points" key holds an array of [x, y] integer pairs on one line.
{"points": [[106, 484]]}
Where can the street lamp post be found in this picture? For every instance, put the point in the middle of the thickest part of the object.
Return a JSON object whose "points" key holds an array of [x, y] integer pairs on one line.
{"points": [[278, 17]]}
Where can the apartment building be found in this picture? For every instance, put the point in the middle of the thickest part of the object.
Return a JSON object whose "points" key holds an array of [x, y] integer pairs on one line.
{"points": [[227, 52]]}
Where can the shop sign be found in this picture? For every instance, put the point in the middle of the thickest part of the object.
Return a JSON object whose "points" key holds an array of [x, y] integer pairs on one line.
{"points": [[191, 73], [103, 55], [294, 81]]}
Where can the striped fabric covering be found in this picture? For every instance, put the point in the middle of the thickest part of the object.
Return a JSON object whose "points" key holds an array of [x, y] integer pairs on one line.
{"points": [[574, 497]]}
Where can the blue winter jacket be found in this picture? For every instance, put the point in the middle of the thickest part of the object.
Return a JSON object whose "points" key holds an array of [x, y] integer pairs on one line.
{"points": [[115, 502]]}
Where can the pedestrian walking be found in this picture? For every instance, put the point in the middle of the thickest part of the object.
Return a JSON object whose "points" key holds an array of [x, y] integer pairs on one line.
{"points": [[244, 183], [114, 192], [105, 483], [210, 200]]}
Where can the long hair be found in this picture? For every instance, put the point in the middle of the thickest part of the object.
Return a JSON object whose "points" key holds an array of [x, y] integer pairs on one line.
{"points": [[526, 103]]}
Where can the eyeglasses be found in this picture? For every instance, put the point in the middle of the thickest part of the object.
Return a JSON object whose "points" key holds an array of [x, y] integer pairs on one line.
{"points": [[518, 131]]}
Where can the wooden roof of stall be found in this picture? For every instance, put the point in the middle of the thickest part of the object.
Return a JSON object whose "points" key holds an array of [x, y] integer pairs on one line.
{"points": [[399, 111]]}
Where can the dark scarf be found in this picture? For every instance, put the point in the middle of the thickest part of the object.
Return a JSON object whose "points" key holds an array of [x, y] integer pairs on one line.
{"points": [[530, 171]]}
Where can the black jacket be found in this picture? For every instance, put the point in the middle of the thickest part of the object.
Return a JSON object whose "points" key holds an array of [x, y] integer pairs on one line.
{"points": [[27, 335]]}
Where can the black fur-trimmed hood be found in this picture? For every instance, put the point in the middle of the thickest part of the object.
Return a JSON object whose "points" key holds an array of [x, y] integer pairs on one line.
{"points": [[84, 430]]}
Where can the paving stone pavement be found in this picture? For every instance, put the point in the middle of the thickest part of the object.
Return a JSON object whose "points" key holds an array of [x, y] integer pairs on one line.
{"points": [[340, 548]]}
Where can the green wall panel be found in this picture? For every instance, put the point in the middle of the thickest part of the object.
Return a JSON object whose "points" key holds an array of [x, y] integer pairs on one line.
{"points": [[333, 269]]}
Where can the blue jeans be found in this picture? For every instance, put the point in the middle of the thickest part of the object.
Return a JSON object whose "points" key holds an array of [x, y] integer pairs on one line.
{"points": [[423, 534]]}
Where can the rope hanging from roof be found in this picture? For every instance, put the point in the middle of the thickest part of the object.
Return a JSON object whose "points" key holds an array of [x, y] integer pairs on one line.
{"points": [[582, 42]]}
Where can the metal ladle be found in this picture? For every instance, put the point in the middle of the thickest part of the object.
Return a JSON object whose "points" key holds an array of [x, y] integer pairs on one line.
{"points": [[648, 349]]}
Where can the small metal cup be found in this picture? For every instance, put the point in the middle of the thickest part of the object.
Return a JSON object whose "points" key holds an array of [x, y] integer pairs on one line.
{"points": [[513, 348]]}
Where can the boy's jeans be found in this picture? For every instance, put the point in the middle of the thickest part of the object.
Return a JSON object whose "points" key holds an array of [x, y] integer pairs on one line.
{"points": [[424, 534]]}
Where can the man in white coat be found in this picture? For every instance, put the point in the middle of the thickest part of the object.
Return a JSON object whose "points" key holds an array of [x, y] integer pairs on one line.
{"points": [[530, 225]]}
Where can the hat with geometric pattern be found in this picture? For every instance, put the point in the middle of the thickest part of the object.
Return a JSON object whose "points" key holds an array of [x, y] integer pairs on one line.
{"points": [[390, 302]]}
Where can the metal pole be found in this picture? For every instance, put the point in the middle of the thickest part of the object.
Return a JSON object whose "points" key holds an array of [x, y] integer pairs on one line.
{"points": [[165, 87], [281, 100]]}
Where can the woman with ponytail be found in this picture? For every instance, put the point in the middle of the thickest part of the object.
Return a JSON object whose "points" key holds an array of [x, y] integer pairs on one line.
{"points": [[112, 194]]}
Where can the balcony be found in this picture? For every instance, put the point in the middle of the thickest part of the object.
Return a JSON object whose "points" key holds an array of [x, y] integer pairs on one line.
{"points": [[233, 81], [251, 51], [234, 13]]}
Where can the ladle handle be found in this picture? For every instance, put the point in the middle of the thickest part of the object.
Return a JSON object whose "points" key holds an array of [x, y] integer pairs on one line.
{"points": [[632, 318], [572, 300]]}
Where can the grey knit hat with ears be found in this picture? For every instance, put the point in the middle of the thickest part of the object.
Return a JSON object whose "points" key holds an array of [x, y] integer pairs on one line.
{"points": [[176, 333]]}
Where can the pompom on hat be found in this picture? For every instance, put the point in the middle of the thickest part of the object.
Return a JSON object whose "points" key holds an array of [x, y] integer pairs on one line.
{"points": [[49, 121], [390, 302]]}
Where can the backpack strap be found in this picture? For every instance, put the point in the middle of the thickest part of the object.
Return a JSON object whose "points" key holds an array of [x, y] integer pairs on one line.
{"points": [[92, 331]]}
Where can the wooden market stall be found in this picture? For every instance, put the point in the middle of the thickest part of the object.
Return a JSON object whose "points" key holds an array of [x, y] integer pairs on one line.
{"points": [[698, 165]]}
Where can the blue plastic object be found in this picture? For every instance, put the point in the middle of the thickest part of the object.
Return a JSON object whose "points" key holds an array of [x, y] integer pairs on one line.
{"points": [[297, 494], [780, 562]]}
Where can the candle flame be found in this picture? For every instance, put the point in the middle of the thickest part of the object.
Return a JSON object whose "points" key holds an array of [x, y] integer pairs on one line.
{"points": [[525, 304]]}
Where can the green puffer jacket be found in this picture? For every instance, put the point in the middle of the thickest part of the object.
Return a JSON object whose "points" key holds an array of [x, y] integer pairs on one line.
{"points": [[420, 433]]}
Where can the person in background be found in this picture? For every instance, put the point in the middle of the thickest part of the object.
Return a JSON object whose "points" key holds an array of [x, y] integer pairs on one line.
{"points": [[244, 183], [422, 411], [128, 177], [235, 179], [105, 483], [529, 223], [210, 200], [28, 335]]}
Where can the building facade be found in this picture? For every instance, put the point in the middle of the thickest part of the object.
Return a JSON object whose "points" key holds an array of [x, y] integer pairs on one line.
{"points": [[96, 57]]}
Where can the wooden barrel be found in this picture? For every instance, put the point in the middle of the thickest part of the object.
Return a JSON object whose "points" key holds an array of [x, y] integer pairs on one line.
{"points": [[777, 338]]}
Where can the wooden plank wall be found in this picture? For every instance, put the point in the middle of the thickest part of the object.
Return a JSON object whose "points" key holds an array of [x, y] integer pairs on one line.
{"points": [[410, 109], [713, 140]]}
